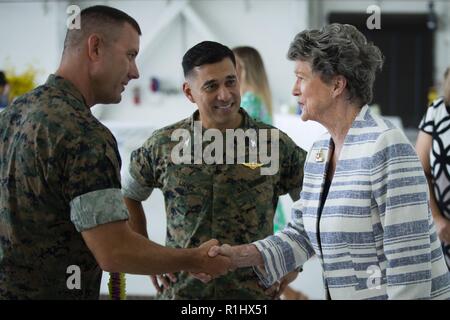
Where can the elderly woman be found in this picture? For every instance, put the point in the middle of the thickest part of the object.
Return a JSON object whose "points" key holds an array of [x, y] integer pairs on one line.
{"points": [[432, 147], [364, 204]]}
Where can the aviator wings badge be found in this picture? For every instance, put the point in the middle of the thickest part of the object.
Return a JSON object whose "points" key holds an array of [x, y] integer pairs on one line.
{"points": [[252, 165]]}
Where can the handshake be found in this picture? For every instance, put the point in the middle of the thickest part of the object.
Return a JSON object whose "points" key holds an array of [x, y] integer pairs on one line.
{"points": [[212, 260], [216, 260], [219, 261]]}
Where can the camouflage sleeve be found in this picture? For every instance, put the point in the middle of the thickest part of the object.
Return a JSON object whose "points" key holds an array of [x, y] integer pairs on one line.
{"points": [[141, 165], [92, 183], [96, 208], [132, 189], [293, 160], [90, 167]]}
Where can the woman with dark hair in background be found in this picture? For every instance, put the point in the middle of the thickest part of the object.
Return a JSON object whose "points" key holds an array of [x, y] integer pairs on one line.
{"points": [[433, 148]]}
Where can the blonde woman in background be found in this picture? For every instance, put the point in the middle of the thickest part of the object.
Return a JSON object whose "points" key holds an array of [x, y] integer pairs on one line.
{"points": [[433, 148], [256, 99]]}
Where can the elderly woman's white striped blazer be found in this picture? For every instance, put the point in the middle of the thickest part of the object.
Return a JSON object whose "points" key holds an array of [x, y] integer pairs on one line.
{"points": [[377, 236]]}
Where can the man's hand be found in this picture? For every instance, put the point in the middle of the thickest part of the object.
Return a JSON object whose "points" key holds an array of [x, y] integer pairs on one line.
{"points": [[214, 251], [162, 282], [227, 251], [241, 256], [213, 266], [443, 229]]}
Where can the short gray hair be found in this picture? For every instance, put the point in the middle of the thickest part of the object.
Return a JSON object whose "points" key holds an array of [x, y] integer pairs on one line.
{"points": [[340, 49]]}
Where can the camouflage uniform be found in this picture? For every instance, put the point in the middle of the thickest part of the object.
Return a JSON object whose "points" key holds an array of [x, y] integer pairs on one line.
{"points": [[59, 175], [229, 202]]}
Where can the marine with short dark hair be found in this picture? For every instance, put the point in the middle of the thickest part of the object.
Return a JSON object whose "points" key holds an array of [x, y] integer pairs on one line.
{"points": [[232, 202]]}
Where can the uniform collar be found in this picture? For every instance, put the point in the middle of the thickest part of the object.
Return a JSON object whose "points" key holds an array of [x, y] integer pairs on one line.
{"points": [[247, 121], [67, 87]]}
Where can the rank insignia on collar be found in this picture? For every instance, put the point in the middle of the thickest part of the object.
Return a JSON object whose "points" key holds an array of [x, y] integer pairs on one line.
{"points": [[252, 165], [319, 156]]}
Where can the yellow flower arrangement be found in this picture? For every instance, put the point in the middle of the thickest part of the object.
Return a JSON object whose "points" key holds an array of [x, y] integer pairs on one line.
{"points": [[20, 83]]}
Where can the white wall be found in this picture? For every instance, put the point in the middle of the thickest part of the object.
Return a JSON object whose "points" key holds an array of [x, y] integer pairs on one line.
{"points": [[267, 25], [29, 36]]}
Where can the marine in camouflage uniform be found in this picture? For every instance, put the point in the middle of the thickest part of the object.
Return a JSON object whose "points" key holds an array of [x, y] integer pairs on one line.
{"points": [[59, 175], [229, 202]]}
